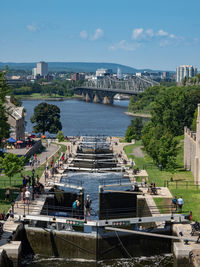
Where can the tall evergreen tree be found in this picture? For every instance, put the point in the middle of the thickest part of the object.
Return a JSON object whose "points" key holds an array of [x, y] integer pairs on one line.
{"points": [[4, 126]]}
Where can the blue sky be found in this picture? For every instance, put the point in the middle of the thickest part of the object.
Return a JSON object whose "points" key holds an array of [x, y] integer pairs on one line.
{"points": [[142, 34]]}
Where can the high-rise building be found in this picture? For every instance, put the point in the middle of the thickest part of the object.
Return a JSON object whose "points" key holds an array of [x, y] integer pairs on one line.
{"points": [[185, 71], [34, 72], [42, 68], [119, 73]]}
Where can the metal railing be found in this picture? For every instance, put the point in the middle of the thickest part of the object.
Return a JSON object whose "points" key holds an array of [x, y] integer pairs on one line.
{"points": [[181, 183], [110, 181], [8, 183]]}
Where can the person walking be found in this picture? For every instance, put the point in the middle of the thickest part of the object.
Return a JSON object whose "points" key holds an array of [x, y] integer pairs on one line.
{"points": [[7, 193], [75, 208], [24, 181], [174, 202], [27, 196], [23, 194], [88, 203], [132, 163], [180, 203]]}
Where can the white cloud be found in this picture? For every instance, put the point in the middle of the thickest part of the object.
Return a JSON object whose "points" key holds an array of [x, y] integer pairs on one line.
{"points": [[137, 33], [172, 36], [124, 45], [84, 34], [98, 33], [162, 33], [32, 27], [150, 32]]}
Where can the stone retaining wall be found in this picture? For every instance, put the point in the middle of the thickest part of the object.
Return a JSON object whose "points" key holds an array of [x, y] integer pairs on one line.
{"points": [[34, 149], [189, 150]]}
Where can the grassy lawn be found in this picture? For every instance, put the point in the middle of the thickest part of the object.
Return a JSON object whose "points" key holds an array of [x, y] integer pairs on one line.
{"points": [[183, 181]]}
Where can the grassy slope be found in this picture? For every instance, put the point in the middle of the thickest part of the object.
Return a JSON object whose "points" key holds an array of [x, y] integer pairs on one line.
{"points": [[180, 186]]}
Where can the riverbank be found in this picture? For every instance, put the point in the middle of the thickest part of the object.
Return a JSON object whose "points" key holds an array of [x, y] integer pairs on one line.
{"points": [[142, 115], [46, 97]]}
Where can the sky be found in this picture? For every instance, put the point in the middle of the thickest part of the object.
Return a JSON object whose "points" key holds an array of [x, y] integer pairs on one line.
{"points": [[152, 34]]}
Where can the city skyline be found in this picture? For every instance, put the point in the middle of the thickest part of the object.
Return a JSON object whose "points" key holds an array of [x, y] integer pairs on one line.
{"points": [[141, 35]]}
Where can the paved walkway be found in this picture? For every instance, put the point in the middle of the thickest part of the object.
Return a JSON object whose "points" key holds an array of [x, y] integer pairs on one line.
{"points": [[137, 152], [43, 156]]}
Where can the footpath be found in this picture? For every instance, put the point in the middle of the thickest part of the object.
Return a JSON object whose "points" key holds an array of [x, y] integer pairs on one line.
{"points": [[44, 156]]}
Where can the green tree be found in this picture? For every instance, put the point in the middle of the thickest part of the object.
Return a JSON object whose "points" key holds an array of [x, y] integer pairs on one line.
{"points": [[4, 126], [11, 164], [130, 134], [194, 122], [160, 145], [60, 136], [134, 130], [47, 118], [184, 80]]}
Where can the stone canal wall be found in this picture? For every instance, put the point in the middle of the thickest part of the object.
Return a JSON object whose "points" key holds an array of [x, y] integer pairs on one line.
{"points": [[61, 243], [189, 150], [93, 246]]}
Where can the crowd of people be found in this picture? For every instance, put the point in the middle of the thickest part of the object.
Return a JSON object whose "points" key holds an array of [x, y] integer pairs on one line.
{"points": [[30, 185], [34, 161]]}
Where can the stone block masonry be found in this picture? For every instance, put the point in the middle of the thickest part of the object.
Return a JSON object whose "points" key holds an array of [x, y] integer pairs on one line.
{"points": [[189, 150], [192, 149]]}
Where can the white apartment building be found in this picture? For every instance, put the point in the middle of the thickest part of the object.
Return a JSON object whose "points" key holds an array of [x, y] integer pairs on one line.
{"points": [[34, 72], [42, 68], [185, 71]]}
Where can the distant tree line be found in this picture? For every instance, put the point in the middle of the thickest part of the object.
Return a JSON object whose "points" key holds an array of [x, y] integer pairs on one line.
{"points": [[56, 87]]}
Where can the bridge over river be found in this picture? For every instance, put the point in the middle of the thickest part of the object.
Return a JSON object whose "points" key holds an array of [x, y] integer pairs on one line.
{"points": [[104, 89]]}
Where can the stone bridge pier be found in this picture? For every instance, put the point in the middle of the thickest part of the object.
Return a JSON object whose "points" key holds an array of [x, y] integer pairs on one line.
{"points": [[104, 97]]}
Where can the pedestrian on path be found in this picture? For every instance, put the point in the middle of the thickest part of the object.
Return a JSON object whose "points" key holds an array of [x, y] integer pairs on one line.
{"points": [[180, 203], [132, 163], [46, 176], [27, 196], [23, 194], [7, 193], [24, 181], [174, 202]]}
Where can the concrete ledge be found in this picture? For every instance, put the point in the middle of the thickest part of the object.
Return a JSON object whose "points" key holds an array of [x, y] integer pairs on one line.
{"points": [[181, 250], [13, 249]]}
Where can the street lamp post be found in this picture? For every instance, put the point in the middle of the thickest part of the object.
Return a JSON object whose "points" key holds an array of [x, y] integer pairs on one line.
{"points": [[33, 183]]}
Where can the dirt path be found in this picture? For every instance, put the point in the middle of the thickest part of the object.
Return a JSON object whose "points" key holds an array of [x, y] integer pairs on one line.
{"points": [[137, 152]]}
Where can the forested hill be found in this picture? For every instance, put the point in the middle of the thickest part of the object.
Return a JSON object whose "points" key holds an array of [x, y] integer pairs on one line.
{"points": [[72, 66]]}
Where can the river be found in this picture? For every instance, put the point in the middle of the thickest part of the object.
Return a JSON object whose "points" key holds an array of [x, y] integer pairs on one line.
{"points": [[82, 118]]}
